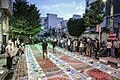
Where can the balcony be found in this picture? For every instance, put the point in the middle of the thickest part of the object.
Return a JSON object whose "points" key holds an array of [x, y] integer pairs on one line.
{"points": [[6, 6]]}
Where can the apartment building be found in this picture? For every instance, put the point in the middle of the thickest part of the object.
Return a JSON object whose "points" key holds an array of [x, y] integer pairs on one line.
{"points": [[53, 24], [75, 16], [6, 11], [116, 14]]}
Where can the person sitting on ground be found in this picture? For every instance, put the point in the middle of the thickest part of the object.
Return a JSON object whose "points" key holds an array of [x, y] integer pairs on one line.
{"points": [[102, 52], [94, 51], [20, 50]]}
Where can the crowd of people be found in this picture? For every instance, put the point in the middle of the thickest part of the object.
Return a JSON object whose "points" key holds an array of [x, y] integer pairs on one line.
{"points": [[89, 47], [84, 46], [9, 51]]}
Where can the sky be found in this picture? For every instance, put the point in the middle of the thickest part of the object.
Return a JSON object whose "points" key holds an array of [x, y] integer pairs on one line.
{"points": [[63, 8]]}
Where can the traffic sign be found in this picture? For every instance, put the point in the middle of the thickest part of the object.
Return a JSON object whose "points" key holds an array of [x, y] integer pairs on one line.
{"points": [[98, 28], [112, 36]]}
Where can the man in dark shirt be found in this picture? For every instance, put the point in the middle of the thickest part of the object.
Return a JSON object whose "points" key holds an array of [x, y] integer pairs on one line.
{"points": [[44, 48]]}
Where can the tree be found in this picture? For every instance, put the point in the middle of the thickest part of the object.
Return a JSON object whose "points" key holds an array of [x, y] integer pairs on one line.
{"points": [[95, 14], [76, 27], [25, 21]]}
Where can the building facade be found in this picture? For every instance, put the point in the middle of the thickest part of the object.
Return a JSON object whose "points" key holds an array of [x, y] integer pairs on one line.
{"points": [[6, 11], [54, 24], [42, 20], [107, 19], [116, 14], [76, 16], [88, 2]]}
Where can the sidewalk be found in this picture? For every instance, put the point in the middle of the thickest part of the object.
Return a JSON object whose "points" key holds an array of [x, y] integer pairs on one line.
{"points": [[2, 62], [4, 73]]}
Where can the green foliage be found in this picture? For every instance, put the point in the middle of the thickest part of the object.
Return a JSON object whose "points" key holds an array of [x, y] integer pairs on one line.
{"points": [[95, 14], [63, 35], [76, 27], [46, 34], [26, 19]]}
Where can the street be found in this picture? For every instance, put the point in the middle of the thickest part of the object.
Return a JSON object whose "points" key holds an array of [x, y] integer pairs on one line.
{"points": [[65, 65]]}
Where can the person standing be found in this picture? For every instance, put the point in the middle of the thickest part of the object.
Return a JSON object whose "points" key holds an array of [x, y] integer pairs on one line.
{"points": [[77, 46], [94, 49], [119, 49], [44, 48], [116, 47], [89, 46], [74, 45], [85, 48], [109, 46], [97, 44], [54, 43], [81, 47], [69, 44], [62, 42], [9, 52]]}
